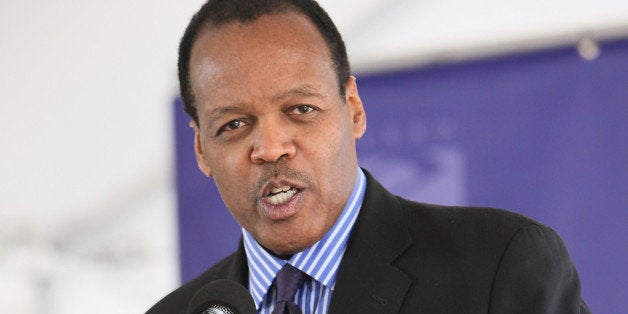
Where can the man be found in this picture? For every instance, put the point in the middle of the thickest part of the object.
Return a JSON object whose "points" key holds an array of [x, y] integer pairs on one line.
{"points": [[276, 115]]}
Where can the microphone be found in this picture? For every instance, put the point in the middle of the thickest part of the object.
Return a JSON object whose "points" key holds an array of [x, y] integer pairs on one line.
{"points": [[222, 297]]}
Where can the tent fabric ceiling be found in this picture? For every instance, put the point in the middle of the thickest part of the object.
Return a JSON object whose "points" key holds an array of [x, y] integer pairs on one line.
{"points": [[383, 34]]}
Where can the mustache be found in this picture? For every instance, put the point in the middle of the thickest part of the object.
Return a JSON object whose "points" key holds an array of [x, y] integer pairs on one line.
{"points": [[279, 169]]}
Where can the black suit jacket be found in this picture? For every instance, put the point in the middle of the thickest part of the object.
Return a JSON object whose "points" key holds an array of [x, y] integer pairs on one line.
{"points": [[407, 257]]}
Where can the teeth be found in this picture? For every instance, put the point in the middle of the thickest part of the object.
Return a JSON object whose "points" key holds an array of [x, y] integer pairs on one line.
{"points": [[280, 189], [282, 196]]}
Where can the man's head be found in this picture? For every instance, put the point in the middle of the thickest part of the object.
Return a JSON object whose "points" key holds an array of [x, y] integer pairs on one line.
{"points": [[272, 128], [215, 13]]}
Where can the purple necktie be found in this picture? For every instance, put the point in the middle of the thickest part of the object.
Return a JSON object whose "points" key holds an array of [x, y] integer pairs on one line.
{"points": [[289, 279]]}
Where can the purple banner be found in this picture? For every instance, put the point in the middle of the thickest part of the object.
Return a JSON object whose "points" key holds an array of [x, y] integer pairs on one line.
{"points": [[544, 134]]}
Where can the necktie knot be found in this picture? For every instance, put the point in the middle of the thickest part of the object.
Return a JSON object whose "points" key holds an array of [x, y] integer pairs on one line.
{"points": [[289, 279]]}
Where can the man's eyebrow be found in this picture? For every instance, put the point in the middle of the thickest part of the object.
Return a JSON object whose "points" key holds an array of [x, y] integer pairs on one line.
{"points": [[224, 110], [305, 90]]}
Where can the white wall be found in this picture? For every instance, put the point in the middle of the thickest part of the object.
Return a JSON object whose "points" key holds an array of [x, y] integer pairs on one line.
{"points": [[87, 212]]}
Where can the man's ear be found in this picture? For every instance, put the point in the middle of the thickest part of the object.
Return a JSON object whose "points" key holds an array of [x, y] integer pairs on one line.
{"points": [[355, 108], [198, 150]]}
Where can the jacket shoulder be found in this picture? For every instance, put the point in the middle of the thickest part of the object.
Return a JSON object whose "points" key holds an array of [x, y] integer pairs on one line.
{"points": [[465, 230], [466, 217]]}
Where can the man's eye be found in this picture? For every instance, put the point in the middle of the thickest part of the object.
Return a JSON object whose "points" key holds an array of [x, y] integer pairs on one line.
{"points": [[231, 125], [302, 109]]}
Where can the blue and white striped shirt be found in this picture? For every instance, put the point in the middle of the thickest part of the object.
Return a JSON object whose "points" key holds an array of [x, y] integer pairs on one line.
{"points": [[320, 262]]}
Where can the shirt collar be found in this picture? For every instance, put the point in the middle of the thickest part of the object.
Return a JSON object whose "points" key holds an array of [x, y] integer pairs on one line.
{"points": [[320, 261]]}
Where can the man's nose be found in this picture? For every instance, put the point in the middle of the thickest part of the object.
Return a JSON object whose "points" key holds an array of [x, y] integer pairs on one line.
{"points": [[272, 140]]}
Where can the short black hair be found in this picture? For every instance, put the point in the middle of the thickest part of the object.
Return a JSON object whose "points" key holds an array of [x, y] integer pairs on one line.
{"points": [[216, 13]]}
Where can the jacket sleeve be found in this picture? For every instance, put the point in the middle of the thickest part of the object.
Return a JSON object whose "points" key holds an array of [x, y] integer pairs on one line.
{"points": [[536, 275]]}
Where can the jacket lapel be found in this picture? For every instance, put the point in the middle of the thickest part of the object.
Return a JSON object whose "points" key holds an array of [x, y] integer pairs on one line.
{"points": [[238, 270], [367, 282]]}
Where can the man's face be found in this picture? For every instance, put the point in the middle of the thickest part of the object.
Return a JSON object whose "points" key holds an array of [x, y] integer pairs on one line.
{"points": [[274, 132]]}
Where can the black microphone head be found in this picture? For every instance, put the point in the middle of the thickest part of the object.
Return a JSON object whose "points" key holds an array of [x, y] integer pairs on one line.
{"points": [[222, 297]]}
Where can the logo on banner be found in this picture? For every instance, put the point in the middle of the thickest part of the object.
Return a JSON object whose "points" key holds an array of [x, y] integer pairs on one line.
{"points": [[421, 162]]}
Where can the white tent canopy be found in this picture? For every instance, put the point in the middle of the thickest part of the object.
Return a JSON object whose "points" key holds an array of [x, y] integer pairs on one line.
{"points": [[383, 34]]}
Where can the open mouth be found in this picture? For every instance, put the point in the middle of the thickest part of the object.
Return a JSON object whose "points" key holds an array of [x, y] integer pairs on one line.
{"points": [[280, 195]]}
